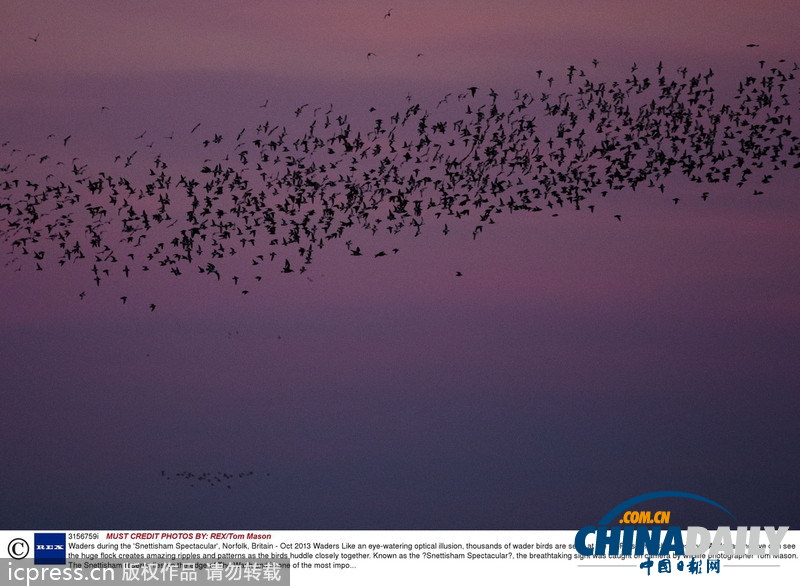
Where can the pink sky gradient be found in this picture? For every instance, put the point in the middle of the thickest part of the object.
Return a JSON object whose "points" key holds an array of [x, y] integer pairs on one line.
{"points": [[389, 393]]}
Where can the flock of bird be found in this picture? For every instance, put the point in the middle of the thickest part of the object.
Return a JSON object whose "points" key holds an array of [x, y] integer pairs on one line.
{"points": [[276, 193], [218, 479]]}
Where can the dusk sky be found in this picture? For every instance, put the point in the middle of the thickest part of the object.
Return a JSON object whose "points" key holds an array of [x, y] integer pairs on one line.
{"points": [[532, 377]]}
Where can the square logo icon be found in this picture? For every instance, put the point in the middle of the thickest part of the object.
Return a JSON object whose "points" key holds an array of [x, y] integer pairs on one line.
{"points": [[49, 548]]}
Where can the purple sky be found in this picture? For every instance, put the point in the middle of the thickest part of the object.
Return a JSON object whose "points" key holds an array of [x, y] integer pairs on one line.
{"points": [[578, 362]]}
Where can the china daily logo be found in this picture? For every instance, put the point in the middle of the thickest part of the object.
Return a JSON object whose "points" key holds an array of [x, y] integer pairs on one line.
{"points": [[49, 548], [634, 535]]}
